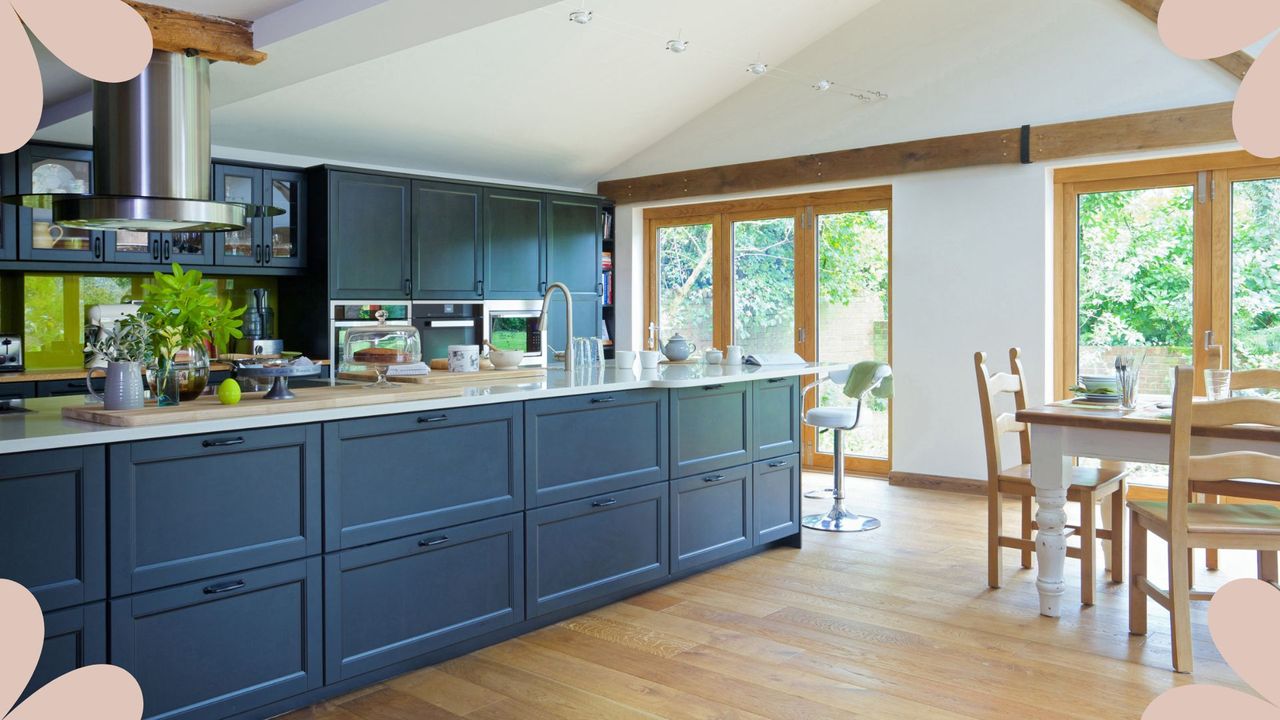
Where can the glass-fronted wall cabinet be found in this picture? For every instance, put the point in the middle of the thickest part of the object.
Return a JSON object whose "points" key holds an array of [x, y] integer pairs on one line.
{"points": [[264, 242], [8, 213], [55, 170]]}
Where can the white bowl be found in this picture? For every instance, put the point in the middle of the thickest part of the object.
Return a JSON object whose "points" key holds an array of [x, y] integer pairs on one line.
{"points": [[506, 359]]}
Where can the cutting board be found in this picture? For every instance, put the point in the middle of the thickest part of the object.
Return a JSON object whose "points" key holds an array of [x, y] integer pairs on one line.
{"points": [[207, 407], [439, 378]]}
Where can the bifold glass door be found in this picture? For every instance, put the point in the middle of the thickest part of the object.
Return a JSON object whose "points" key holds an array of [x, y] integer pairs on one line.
{"points": [[1254, 266], [764, 283]]}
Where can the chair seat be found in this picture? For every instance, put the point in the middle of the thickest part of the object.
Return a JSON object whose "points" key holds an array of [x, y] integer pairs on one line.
{"points": [[840, 418], [1081, 477], [1216, 519]]}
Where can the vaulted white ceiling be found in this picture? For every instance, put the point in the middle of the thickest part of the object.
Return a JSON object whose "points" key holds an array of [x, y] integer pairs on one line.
{"points": [[511, 90]]}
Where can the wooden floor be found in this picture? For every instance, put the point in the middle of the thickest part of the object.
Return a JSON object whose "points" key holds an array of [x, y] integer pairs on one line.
{"points": [[896, 623]]}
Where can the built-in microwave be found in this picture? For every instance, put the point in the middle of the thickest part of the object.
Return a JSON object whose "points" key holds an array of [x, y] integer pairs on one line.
{"points": [[514, 325]]}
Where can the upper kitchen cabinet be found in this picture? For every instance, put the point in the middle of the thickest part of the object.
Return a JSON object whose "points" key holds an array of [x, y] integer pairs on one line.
{"points": [[448, 248], [514, 242], [55, 170], [268, 242], [8, 213], [573, 243], [369, 236]]}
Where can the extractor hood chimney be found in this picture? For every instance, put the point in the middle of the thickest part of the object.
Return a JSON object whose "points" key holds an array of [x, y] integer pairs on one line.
{"points": [[151, 157]]}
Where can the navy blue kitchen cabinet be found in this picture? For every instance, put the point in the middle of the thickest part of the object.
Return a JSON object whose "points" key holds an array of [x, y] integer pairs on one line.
{"points": [[514, 241], [192, 507], [17, 390], [448, 247], [711, 517], [776, 424], [396, 600], [587, 549], [55, 169], [73, 638], [8, 213], [711, 428], [387, 477], [369, 236], [583, 445], [573, 243], [776, 499], [67, 388], [224, 645], [53, 537], [586, 319]]}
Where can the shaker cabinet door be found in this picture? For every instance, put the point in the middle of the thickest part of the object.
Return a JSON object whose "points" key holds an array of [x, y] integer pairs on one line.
{"points": [[573, 243], [73, 638], [53, 524], [448, 246], [8, 213], [710, 517], [514, 234], [369, 237], [776, 425], [711, 428], [776, 499]]}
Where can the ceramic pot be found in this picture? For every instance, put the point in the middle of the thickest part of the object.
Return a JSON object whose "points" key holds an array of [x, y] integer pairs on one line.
{"points": [[124, 390]]}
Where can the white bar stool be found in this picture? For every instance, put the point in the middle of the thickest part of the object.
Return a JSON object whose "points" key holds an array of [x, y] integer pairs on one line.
{"points": [[838, 420]]}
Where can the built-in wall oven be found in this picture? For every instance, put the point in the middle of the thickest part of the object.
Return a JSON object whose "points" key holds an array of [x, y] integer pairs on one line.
{"points": [[443, 324], [513, 325]]}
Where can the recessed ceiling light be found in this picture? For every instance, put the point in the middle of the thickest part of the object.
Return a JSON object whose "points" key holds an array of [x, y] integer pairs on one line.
{"points": [[757, 68], [677, 46], [582, 17], [823, 85]]}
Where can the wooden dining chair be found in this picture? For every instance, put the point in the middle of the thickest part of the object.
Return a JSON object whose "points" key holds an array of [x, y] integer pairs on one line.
{"points": [[1088, 486], [1187, 525]]}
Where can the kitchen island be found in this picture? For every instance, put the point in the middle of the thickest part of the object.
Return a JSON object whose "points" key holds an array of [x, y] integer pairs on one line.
{"points": [[252, 565]]}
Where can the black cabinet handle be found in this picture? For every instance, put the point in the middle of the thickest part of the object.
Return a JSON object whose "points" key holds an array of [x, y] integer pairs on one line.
{"points": [[433, 418], [257, 254], [155, 249], [712, 478], [604, 503], [479, 288], [600, 289], [428, 542], [713, 387], [97, 248], [228, 442], [780, 463], [777, 380], [222, 587], [601, 400], [408, 286], [542, 287], [168, 245], [267, 252]]}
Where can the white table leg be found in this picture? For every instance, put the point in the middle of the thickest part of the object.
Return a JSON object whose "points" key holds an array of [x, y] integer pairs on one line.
{"points": [[1051, 474]]}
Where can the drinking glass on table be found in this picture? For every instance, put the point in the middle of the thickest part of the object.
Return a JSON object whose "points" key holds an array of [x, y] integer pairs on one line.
{"points": [[1217, 384]]}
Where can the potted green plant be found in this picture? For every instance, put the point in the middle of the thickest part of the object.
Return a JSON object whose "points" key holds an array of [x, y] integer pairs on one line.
{"points": [[185, 315]]}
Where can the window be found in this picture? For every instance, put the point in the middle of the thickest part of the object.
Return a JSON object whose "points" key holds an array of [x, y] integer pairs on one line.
{"points": [[806, 274]]}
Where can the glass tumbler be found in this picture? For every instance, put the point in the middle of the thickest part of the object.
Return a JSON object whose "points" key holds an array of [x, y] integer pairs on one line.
{"points": [[1217, 384]]}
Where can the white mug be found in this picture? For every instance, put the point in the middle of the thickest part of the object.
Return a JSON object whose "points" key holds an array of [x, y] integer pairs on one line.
{"points": [[624, 359], [733, 355], [464, 358], [649, 359], [713, 356]]}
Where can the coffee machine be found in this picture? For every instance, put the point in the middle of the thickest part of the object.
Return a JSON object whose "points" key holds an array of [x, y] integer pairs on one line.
{"points": [[103, 319], [258, 328]]}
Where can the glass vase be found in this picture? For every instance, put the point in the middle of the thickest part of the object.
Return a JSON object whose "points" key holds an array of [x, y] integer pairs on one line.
{"points": [[187, 372], [166, 384]]}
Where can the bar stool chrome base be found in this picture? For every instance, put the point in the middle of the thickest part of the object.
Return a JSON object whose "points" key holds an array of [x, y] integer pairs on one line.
{"points": [[823, 494], [838, 519]]}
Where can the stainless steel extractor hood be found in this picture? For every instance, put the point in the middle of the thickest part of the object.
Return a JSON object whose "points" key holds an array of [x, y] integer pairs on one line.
{"points": [[151, 157]]}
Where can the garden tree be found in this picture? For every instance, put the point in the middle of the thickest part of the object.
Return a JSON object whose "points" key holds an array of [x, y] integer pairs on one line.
{"points": [[1135, 281]]}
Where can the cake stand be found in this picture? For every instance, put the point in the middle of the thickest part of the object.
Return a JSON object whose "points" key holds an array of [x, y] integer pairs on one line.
{"points": [[280, 375]]}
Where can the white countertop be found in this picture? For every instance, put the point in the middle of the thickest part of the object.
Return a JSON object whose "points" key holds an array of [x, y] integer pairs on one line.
{"points": [[44, 428]]}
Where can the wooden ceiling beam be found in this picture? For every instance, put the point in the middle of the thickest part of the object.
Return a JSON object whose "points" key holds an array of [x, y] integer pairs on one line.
{"points": [[1237, 63], [1182, 127], [215, 38]]}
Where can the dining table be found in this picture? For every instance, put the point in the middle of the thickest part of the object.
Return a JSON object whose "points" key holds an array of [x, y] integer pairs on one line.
{"points": [[1061, 432]]}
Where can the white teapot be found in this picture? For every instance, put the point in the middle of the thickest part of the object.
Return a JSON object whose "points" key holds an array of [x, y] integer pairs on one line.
{"points": [[677, 348]]}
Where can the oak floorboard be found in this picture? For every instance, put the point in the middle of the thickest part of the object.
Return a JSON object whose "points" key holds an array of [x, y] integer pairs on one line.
{"points": [[895, 623]]}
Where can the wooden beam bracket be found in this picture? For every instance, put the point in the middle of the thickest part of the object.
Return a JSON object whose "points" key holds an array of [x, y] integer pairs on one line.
{"points": [[212, 37]]}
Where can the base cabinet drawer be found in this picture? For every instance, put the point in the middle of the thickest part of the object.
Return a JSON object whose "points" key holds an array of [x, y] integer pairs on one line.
{"points": [[581, 446], [223, 646], [73, 638], [17, 390], [202, 505], [710, 517], [393, 601], [582, 550], [776, 423], [711, 428], [775, 499], [389, 477], [53, 535]]}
